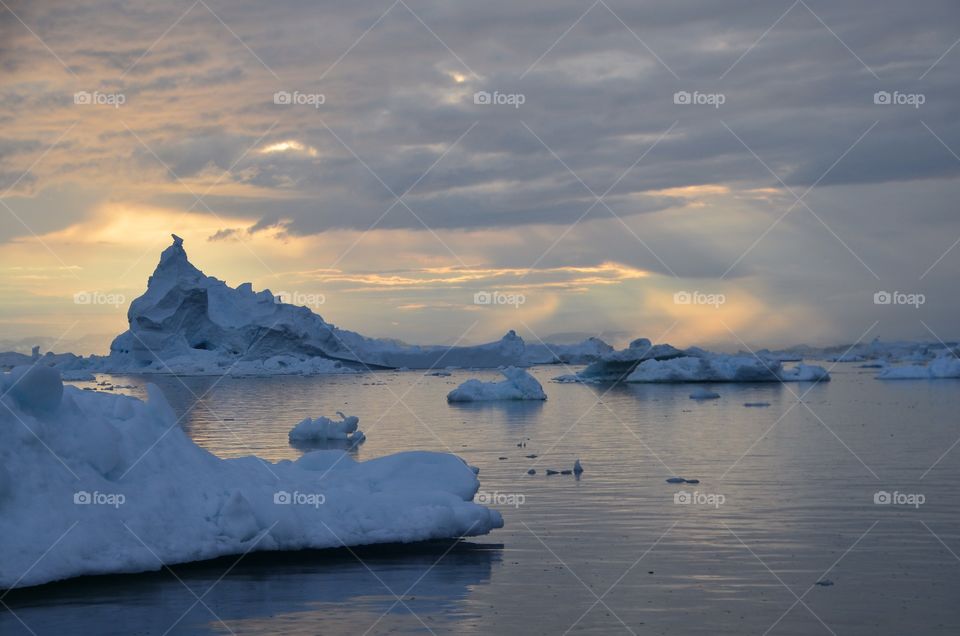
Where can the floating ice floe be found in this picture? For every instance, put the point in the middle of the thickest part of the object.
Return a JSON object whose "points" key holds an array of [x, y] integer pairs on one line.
{"points": [[323, 429], [96, 483], [943, 367], [519, 385]]}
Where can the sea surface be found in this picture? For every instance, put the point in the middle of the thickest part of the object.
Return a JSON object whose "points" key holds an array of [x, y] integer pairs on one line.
{"points": [[781, 535]]}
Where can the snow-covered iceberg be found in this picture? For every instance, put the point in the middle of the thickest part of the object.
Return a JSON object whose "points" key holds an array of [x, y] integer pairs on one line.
{"points": [[942, 367], [94, 483], [721, 367], [616, 365], [188, 322], [322, 429], [519, 385], [646, 362]]}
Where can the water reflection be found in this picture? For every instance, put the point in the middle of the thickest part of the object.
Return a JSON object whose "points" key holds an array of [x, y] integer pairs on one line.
{"points": [[300, 592]]}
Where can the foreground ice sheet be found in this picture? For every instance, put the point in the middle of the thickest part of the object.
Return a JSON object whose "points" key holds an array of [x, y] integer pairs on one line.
{"points": [[99, 483], [519, 385], [943, 367]]}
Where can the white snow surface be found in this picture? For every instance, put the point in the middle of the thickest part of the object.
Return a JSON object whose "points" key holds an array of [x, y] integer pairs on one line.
{"points": [[518, 385], [94, 483], [942, 367]]}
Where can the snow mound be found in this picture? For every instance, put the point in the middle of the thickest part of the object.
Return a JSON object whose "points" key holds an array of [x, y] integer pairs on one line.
{"points": [[519, 385], [942, 367], [95, 483], [324, 429], [721, 367]]}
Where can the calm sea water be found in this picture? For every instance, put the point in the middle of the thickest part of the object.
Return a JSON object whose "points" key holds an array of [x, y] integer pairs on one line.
{"points": [[786, 499]]}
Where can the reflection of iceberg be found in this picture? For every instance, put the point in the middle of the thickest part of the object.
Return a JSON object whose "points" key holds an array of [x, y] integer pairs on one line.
{"points": [[95, 483], [327, 591]]}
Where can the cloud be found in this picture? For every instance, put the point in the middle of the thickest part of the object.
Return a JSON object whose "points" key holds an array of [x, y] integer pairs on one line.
{"points": [[598, 163]]}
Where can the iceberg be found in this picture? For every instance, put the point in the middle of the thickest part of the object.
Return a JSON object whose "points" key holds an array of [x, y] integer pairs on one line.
{"points": [[325, 429], [876, 351], [519, 385], [96, 483], [190, 323], [616, 365], [942, 367], [720, 367], [585, 352]]}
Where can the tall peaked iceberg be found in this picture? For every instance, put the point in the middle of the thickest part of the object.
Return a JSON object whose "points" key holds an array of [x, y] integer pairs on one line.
{"points": [[188, 322]]}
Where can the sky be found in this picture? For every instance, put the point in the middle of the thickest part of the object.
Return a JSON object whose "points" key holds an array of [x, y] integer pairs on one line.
{"points": [[731, 174]]}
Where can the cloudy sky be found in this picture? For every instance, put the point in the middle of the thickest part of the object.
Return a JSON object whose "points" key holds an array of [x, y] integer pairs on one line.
{"points": [[386, 161]]}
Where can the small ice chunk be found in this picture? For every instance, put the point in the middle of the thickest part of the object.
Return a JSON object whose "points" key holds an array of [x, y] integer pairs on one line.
{"points": [[324, 428]]}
